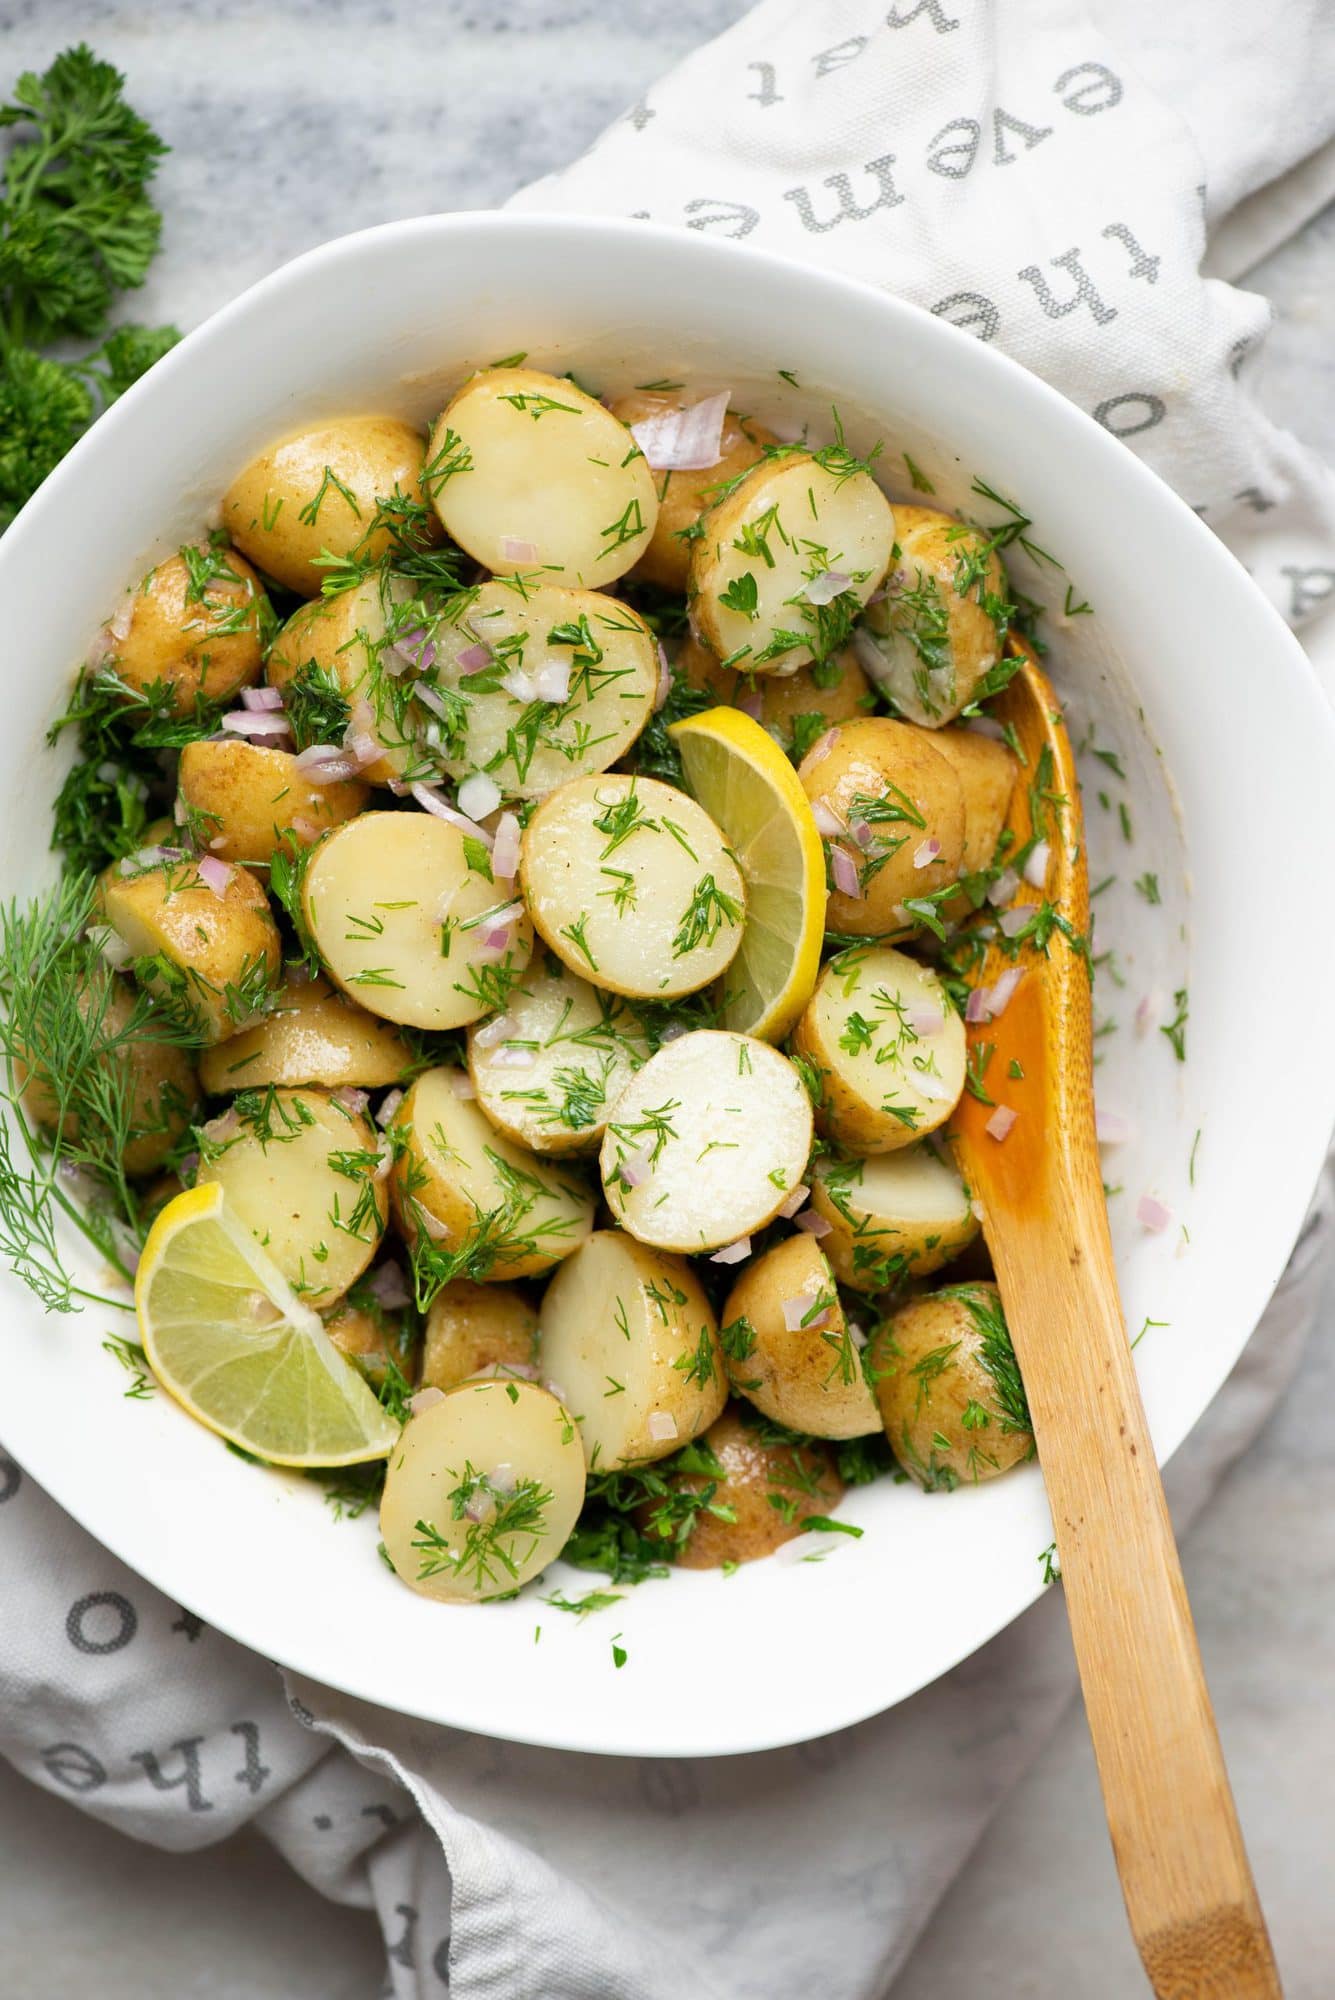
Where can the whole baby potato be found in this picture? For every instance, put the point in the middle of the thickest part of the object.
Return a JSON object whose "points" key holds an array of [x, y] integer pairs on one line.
{"points": [[789, 1346], [682, 496], [310, 1034], [370, 1336], [346, 643], [471, 1328], [160, 1085], [243, 799], [948, 1388], [317, 492], [211, 957], [796, 708], [193, 629], [893, 792], [755, 1491], [941, 624]]}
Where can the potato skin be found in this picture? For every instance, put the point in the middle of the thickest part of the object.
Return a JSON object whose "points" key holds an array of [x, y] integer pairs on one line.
{"points": [[164, 1090], [249, 797], [808, 1377], [371, 456], [224, 950], [771, 1488], [935, 554], [181, 636], [987, 772], [948, 1388], [310, 1034], [876, 760], [471, 1327], [783, 697], [682, 496], [371, 1338]]}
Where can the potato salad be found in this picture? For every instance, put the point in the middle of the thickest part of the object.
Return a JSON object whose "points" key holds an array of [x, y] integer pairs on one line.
{"points": [[503, 1004]]}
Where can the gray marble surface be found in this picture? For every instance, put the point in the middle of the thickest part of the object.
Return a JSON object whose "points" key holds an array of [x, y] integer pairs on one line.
{"points": [[301, 119]]}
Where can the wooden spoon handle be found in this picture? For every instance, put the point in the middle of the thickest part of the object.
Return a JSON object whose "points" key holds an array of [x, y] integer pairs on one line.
{"points": [[1184, 1871]]}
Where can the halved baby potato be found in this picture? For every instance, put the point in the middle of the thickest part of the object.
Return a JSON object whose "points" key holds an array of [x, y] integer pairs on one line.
{"points": [[473, 1327], [888, 1047], [210, 957], [948, 1388], [195, 629], [706, 1142], [552, 685], [796, 708], [547, 1071], [901, 804], [407, 919], [317, 492], [755, 1491], [481, 1491], [465, 1186], [528, 473], [243, 799], [156, 1076], [894, 1216], [310, 1034], [351, 638], [630, 1344], [941, 624], [790, 1349], [633, 886], [682, 496], [777, 552], [987, 771], [300, 1169]]}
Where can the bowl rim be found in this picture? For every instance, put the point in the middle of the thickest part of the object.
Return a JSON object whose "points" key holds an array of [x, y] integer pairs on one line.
{"points": [[1028, 392]]}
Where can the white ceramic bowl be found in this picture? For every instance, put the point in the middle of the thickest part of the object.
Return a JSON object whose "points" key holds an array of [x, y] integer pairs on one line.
{"points": [[785, 1649]]}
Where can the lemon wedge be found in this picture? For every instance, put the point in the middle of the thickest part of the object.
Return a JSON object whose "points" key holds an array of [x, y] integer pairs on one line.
{"points": [[738, 773], [227, 1337]]}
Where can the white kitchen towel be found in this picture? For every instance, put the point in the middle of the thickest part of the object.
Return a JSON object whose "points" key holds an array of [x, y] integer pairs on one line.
{"points": [[1051, 176]]}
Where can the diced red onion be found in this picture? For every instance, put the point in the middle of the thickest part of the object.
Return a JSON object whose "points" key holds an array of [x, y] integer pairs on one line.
{"points": [[673, 1031], [502, 1477], [326, 764], [1153, 1213], [418, 648], [978, 1006], [977, 1211], [999, 997], [479, 795], [551, 682], [463, 1086], [432, 699], [925, 1020], [498, 1029], [689, 440], [262, 698], [150, 857], [821, 749], [518, 685], [664, 687], [424, 1399], [111, 945], [387, 1106], [796, 1309], [868, 652], [925, 853], [479, 1507], [733, 1253], [790, 1207], [297, 973], [1111, 1127], [1147, 1013], [387, 1286], [260, 728], [861, 833], [505, 852], [1002, 891], [214, 874], [1036, 867], [360, 744], [305, 829], [431, 801], [433, 1226], [929, 1086], [384, 1162], [1011, 922], [354, 1101], [661, 1426], [823, 589], [555, 1389], [1000, 1123], [513, 1055], [515, 550], [828, 823], [857, 1334], [751, 703], [122, 618], [845, 871], [986, 725], [474, 658], [225, 1126], [812, 1224], [634, 1169]]}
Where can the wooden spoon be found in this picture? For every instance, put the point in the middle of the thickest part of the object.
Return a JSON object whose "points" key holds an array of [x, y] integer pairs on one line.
{"points": [[1185, 1875]]}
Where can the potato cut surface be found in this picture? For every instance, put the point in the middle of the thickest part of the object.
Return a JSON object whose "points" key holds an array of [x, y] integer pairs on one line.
{"points": [[243, 799], [469, 1188], [482, 1491], [473, 1327], [987, 772], [891, 1216], [552, 684], [949, 1389], [770, 1490], [790, 1348], [298, 1169], [888, 1046], [310, 1035], [929, 642], [529, 474], [786, 561], [548, 1070], [407, 926], [706, 1142], [632, 885], [630, 1344]]}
